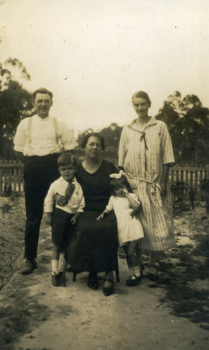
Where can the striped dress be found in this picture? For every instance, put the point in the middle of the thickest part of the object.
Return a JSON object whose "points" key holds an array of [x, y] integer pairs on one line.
{"points": [[142, 154]]}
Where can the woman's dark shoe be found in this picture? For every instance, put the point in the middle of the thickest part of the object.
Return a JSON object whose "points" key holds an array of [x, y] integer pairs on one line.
{"points": [[69, 268], [62, 279], [92, 281], [108, 290], [55, 280], [153, 276], [133, 281]]}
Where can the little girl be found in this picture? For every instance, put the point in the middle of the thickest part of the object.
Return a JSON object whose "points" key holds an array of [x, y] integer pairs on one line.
{"points": [[126, 205]]}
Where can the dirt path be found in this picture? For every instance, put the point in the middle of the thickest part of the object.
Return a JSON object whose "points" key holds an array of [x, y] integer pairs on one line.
{"points": [[37, 316]]}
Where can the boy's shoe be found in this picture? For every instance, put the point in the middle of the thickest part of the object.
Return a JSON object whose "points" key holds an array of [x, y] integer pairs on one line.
{"points": [[138, 278], [56, 280], [30, 265]]}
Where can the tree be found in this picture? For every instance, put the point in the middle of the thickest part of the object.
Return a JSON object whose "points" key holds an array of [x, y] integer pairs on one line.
{"points": [[188, 124], [15, 104], [111, 135], [81, 135], [17, 70]]}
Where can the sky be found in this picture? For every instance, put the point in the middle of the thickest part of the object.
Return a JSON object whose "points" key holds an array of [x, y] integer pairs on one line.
{"points": [[95, 54]]}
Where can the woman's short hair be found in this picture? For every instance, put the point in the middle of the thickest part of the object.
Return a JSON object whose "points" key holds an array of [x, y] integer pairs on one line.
{"points": [[67, 158], [94, 134], [42, 91], [142, 94], [116, 183]]}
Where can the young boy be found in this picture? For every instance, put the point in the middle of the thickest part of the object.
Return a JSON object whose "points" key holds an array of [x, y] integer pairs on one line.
{"points": [[63, 218]]}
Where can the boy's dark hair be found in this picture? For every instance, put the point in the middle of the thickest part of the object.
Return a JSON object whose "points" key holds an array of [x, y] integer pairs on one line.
{"points": [[94, 134], [42, 91], [67, 158], [117, 184]]}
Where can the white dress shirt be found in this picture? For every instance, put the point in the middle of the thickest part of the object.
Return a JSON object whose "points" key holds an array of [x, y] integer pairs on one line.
{"points": [[43, 137], [74, 205]]}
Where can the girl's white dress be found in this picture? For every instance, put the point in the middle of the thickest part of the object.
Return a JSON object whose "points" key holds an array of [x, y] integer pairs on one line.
{"points": [[129, 228]]}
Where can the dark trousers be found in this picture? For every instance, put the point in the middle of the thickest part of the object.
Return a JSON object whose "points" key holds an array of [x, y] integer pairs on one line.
{"points": [[39, 173]]}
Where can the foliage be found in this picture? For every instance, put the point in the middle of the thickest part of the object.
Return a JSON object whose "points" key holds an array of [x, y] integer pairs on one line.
{"points": [[204, 186], [7, 190], [17, 70], [188, 124], [15, 104], [179, 190], [192, 192], [111, 135], [81, 136]]}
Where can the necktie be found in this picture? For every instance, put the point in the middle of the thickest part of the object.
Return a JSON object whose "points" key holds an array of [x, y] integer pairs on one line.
{"points": [[69, 191]]}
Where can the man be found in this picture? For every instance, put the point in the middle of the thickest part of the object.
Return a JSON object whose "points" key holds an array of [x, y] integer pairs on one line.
{"points": [[40, 139]]}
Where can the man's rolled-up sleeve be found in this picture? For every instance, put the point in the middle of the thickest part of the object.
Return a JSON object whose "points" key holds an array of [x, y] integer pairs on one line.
{"points": [[20, 137], [67, 137]]}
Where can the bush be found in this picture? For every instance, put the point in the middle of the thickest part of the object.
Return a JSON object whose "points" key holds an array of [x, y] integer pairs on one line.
{"points": [[179, 190], [204, 186]]}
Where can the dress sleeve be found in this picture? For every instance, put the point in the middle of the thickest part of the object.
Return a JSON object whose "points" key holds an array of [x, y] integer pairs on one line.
{"points": [[67, 136], [81, 201], [135, 197], [167, 149], [110, 204], [114, 169], [20, 136], [122, 148]]}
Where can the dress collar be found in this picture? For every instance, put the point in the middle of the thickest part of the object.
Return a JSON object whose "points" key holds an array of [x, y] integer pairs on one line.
{"points": [[73, 181], [42, 119], [151, 122]]}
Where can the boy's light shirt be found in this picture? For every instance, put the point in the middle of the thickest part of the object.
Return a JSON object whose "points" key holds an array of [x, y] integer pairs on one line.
{"points": [[74, 205]]}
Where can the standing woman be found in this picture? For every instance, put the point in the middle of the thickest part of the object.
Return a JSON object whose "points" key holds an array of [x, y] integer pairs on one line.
{"points": [[94, 247], [145, 154]]}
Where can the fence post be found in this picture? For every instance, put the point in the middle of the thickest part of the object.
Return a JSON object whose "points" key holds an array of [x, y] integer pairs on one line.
{"points": [[207, 171], [1, 177]]}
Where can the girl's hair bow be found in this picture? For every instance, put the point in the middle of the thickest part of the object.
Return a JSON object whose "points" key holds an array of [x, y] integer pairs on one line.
{"points": [[117, 175]]}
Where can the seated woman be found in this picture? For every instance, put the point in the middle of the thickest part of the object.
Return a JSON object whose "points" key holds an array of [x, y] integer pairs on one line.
{"points": [[94, 246]]}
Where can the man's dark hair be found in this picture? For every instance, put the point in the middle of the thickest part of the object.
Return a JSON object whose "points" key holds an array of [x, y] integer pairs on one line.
{"points": [[42, 91]]}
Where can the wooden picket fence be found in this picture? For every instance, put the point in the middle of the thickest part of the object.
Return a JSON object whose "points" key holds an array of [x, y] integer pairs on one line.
{"points": [[190, 175], [11, 175]]}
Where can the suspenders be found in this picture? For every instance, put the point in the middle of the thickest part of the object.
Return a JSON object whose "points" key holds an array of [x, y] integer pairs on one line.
{"points": [[30, 120], [56, 130], [57, 135]]}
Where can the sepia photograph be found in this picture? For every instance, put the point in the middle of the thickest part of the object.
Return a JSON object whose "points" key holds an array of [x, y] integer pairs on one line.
{"points": [[104, 175]]}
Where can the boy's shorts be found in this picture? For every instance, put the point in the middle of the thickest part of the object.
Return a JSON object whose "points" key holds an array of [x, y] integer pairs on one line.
{"points": [[62, 228]]}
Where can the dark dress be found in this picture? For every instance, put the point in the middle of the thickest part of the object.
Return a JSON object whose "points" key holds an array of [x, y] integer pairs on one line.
{"points": [[95, 243]]}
